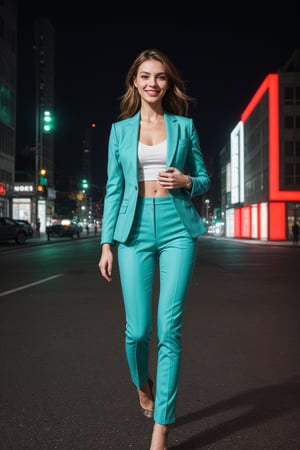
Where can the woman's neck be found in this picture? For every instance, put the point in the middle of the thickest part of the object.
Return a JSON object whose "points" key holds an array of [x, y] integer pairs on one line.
{"points": [[151, 115]]}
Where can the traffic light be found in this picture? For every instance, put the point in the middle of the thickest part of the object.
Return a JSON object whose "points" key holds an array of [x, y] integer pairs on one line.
{"points": [[43, 178], [47, 122], [84, 184], [41, 191]]}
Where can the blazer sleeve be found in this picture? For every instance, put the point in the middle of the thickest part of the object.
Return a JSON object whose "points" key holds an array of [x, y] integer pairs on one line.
{"points": [[114, 189], [196, 165]]}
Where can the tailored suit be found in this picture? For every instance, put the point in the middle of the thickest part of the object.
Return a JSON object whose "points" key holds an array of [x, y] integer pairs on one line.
{"points": [[183, 151], [150, 229]]}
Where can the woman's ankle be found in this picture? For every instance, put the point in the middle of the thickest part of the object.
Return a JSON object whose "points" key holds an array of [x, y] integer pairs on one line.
{"points": [[159, 439]]}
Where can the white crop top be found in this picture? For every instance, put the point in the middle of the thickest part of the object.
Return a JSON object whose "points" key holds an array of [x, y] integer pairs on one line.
{"points": [[151, 160]]}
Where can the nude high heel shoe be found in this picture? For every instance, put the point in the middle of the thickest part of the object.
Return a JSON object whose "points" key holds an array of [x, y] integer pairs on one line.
{"points": [[148, 412]]}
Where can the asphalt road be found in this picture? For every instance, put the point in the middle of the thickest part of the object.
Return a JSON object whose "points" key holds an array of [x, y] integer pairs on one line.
{"points": [[64, 381]]}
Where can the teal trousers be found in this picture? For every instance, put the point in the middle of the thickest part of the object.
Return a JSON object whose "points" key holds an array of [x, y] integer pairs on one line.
{"points": [[157, 237]]}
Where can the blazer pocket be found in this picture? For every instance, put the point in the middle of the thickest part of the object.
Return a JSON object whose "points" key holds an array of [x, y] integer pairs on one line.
{"points": [[123, 208], [182, 142]]}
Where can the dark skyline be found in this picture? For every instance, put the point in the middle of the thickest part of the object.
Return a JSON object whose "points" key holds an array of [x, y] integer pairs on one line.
{"points": [[222, 59]]}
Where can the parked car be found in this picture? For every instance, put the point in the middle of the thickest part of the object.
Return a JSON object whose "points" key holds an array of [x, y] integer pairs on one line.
{"points": [[63, 228], [28, 227], [11, 230]]}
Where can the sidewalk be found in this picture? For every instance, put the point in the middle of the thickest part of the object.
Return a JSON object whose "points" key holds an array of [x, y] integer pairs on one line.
{"points": [[252, 241]]}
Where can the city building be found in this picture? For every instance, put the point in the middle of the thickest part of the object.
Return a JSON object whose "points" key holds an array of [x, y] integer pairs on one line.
{"points": [[260, 163], [26, 194], [34, 192], [8, 95]]}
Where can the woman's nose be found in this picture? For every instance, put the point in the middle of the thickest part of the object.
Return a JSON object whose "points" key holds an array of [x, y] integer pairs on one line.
{"points": [[152, 81]]}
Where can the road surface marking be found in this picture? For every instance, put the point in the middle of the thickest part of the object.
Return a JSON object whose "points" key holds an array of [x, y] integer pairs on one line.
{"points": [[30, 285]]}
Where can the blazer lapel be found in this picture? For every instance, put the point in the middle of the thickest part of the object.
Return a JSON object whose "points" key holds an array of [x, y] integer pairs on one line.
{"points": [[132, 139], [172, 136]]}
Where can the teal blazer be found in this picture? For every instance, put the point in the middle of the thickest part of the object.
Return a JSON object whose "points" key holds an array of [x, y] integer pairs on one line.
{"points": [[183, 152]]}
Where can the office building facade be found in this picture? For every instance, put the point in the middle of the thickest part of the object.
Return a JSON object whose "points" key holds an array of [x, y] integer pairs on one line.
{"points": [[8, 93], [261, 162]]}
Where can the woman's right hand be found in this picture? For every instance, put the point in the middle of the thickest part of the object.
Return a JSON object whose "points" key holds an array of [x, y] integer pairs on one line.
{"points": [[106, 262]]}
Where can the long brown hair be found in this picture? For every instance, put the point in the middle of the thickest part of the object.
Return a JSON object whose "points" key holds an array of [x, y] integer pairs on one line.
{"points": [[175, 101]]}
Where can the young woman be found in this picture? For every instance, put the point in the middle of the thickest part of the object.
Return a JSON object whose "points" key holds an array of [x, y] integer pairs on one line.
{"points": [[155, 166]]}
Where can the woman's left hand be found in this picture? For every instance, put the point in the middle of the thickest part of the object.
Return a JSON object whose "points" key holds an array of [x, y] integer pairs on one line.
{"points": [[172, 178]]}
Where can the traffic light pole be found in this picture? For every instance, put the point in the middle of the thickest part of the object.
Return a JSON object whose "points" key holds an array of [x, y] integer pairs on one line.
{"points": [[38, 130], [37, 127], [44, 120]]}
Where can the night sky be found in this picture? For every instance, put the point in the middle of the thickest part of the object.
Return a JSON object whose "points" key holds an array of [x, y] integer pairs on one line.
{"points": [[223, 58]]}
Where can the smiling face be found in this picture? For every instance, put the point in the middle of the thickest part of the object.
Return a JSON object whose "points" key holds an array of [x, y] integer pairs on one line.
{"points": [[151, 81]]}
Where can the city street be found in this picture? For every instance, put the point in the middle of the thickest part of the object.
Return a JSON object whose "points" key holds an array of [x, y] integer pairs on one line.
{"points": [[63, 374]]}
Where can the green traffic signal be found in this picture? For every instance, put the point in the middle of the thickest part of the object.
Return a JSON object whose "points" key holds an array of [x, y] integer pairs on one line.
{"points": [[47, 122], [85, 184]]}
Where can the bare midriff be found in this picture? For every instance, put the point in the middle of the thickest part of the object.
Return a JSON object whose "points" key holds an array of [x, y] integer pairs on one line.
{"points": [[152, 188]]}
